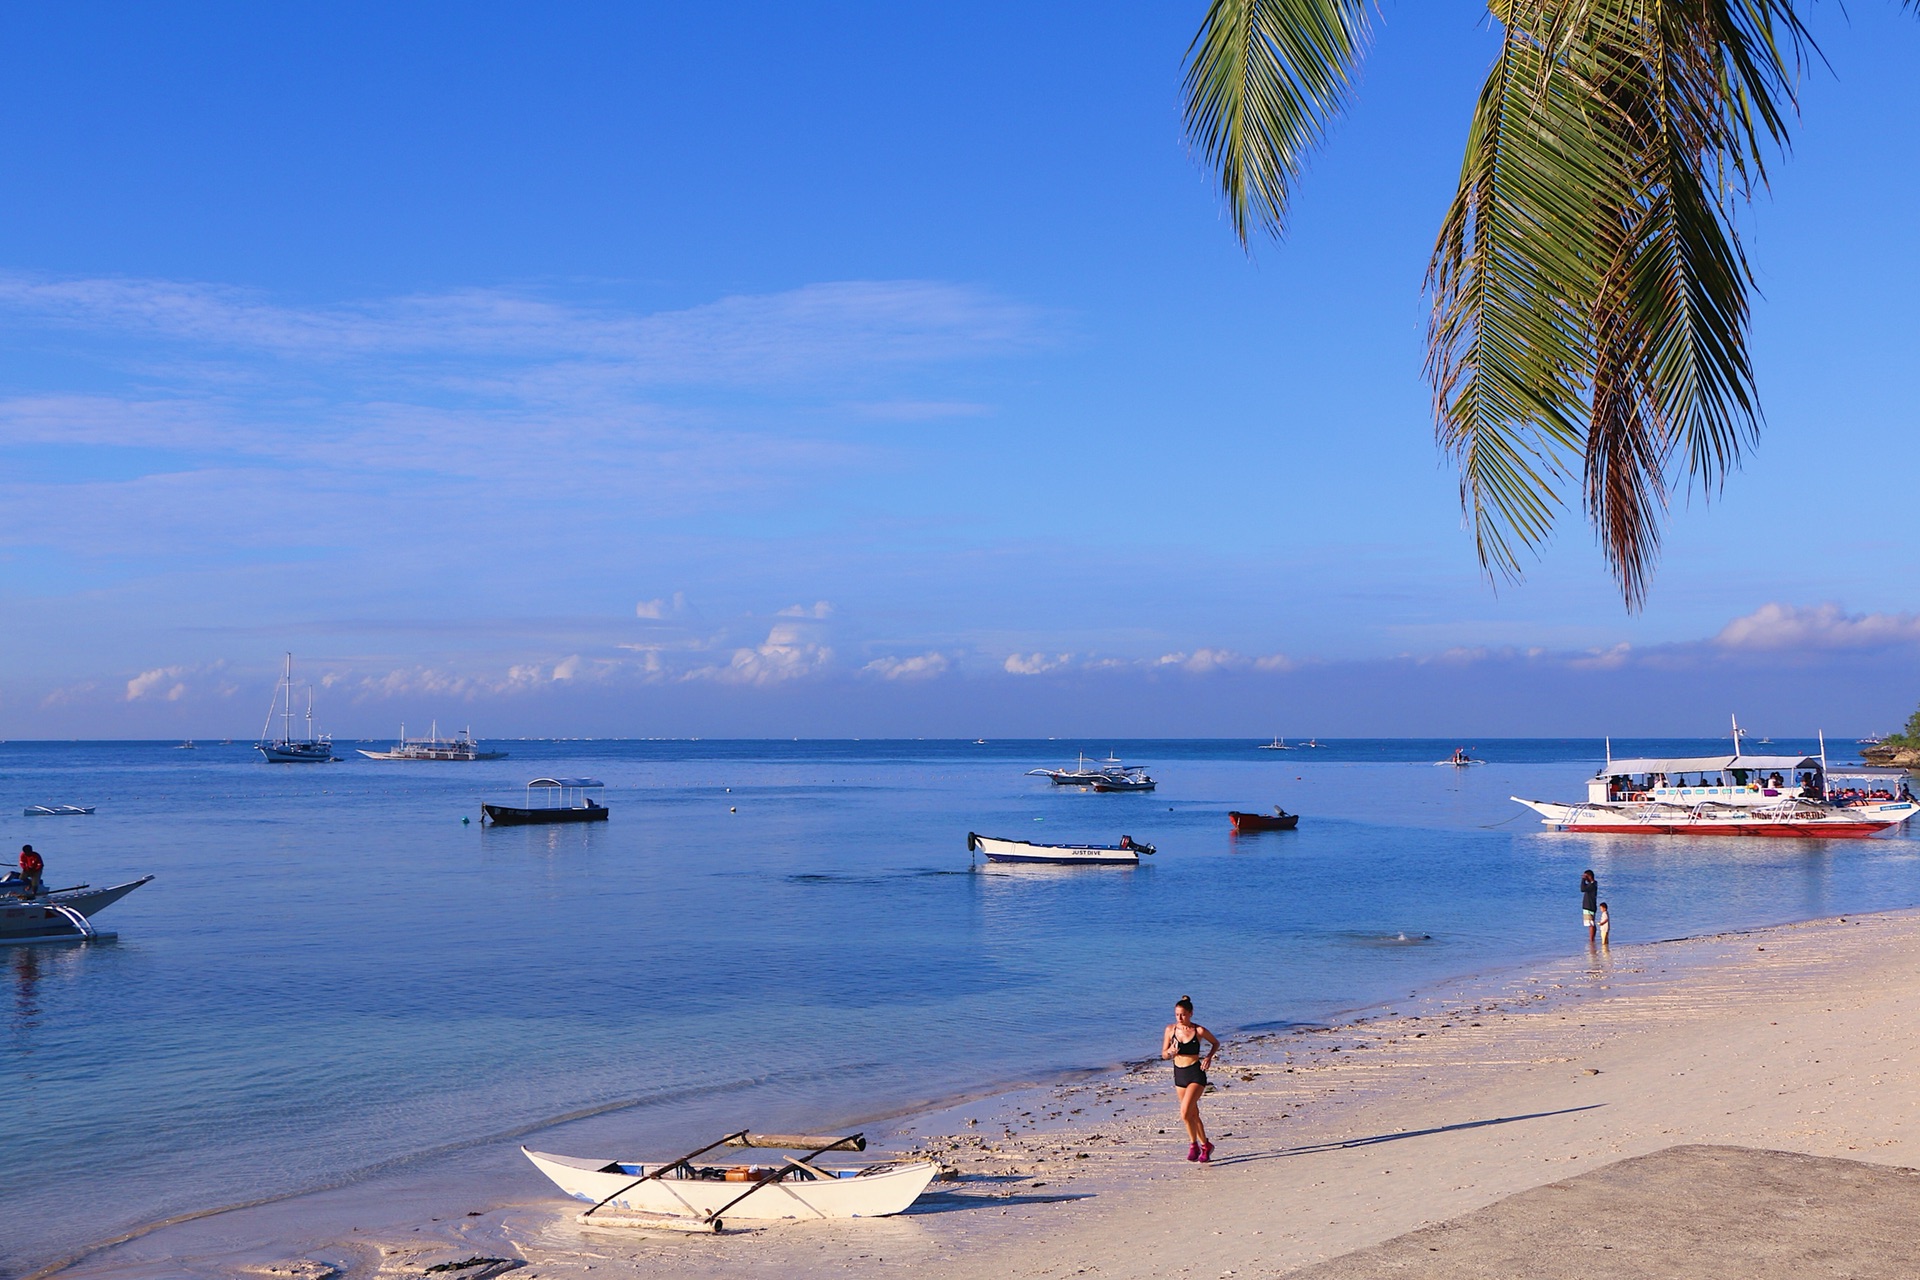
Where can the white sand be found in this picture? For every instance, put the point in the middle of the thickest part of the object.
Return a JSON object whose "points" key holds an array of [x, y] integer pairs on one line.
{"points": [[1802, 1038]]}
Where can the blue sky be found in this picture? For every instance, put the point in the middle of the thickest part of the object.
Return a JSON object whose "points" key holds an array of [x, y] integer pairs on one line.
{"points": [[852, 369]]}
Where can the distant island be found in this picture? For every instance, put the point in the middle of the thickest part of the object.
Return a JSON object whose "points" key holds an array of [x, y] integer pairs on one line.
{"points": [[1899, 749]]}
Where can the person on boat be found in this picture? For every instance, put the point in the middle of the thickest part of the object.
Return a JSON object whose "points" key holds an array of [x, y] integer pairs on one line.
{"points": [[32, 866], [1184, 1041], [1589, 900]]}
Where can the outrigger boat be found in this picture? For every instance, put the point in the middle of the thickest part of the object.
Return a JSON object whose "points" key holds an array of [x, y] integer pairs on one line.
{"points": [[566, 800], [461, 746], [58, 810], [1459, 759], [1278, 744], [1278, 820], [1125, 854], [1736, 795], [59, 915], [1101, 775], [681, 1195]]}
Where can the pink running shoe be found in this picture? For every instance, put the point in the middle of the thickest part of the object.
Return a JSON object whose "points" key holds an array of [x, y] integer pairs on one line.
{"points": [[1193, 1152], [1206, 1152]]}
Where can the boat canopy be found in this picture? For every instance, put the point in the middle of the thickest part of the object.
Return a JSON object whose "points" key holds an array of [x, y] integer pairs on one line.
{"points": [[1709, 764], [566, 782], [1870, 772]]}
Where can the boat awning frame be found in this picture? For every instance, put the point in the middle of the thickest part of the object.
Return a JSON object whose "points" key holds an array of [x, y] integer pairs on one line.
{"points": [[566, 782], [1708, 764]]}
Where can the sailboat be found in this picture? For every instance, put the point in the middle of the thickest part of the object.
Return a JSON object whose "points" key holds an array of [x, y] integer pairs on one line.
{"points": [[291, 750]]}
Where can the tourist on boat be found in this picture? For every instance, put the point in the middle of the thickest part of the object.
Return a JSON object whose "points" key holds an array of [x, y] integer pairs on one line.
{"points": [[1589, 900], [1183, 1043], [32, 865]]}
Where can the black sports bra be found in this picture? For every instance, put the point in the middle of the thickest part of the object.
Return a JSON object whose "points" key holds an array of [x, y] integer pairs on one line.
{"points": [[1187, 1048]]}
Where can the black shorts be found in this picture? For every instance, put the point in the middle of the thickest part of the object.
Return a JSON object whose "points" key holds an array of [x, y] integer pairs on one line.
{"points": [[1184, 1076]]}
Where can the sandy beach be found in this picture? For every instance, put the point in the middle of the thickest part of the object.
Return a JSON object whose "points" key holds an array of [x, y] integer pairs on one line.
{"points": [[1801, 1038]]}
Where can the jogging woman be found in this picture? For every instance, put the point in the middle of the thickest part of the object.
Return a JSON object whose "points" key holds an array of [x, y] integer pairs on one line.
{"points": [[1184, 1042]]}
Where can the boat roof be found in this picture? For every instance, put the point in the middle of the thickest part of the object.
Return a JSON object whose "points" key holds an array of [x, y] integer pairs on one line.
{"points": [[1695, 764], [566, 782], [1875, 771]]}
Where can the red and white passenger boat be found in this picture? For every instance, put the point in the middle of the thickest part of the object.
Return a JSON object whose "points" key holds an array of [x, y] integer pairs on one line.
{"points": [[1736, 795]]}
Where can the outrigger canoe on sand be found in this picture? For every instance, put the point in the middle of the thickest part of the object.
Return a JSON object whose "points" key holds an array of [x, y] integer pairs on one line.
{"points": [[681, 1195]]}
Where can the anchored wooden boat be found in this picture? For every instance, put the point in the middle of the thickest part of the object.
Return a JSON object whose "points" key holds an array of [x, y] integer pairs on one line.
{"points": [[1278, 820], [564, 800], [680, 1194], [1126, 853]]}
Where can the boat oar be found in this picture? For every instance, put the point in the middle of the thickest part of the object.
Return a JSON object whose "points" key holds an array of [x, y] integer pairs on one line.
{"points": [[675, 1164], [857, 1142]]}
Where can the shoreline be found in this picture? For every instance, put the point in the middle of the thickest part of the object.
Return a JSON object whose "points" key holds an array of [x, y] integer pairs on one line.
{"points": [[1046, 1158]]}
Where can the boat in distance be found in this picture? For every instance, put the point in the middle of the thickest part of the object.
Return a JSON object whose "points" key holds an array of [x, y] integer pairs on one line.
{"points": [[1460, 759], [62, 915], [461, 746], [1735, 795], [564, 800], [1278, 820], [312, 749], [1101, 775], [57, 810], [1278, 744], [700, 1196], [1125, 854]]}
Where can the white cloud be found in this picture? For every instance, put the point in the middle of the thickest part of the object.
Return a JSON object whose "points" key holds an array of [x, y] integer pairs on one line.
{"points": [[789, 653], [1778, 626], [657, 610], [148, 683], [1034, 664], [820, 609], [922, 666], [567, 668], [1608, 659]]}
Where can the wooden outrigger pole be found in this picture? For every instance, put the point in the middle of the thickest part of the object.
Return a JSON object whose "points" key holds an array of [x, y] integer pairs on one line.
{"points": [[780, 1141]]}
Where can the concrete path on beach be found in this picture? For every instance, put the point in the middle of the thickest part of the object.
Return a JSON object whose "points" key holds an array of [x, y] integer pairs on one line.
{"points": [[1686, 1213]]}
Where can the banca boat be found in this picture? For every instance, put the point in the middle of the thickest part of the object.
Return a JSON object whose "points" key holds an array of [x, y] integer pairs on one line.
{"points": [[312, 749], [1278, 820], [461, 746], [563, 800], [58, 810], [1101, 775], [1125, 854], [1736, 795], [1459, 759], [60, 915], [683, 1195], [1278, 744]]}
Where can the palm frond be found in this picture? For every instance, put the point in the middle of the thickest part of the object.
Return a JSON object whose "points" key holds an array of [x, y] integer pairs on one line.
{"points": [[1589, 291], [1264, 78]]}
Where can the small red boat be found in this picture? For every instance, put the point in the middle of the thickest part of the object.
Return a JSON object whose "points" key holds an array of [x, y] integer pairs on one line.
{"points": [[1278, 820]]}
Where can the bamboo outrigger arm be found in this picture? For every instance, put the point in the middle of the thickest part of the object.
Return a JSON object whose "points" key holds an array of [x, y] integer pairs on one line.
{"points": [[731, 1139], [853, 1142]]}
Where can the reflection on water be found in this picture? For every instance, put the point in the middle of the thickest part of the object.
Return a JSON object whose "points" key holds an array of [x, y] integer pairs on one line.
{"points": [[332, 971]]}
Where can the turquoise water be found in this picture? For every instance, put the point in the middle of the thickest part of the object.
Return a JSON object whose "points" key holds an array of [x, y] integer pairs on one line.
{"points": [[331, 973]]}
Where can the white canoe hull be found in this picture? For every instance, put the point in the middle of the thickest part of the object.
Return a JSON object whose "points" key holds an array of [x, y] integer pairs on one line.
{"points": [[1077, 855], [873, 1191]]}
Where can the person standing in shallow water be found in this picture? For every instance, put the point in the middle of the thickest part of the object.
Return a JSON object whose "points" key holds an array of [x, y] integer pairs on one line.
{"points": [[1589, 900], [1184, 1042]]}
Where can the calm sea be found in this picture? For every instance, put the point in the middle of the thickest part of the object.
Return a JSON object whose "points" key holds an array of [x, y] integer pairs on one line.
{"points": [[332, 972]]}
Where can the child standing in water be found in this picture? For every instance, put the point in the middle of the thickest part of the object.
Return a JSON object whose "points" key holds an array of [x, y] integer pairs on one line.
{"points": [[1602, 922]]}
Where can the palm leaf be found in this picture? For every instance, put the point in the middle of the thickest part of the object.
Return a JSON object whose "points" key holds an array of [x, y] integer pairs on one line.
{"points": [[1264, 78]]}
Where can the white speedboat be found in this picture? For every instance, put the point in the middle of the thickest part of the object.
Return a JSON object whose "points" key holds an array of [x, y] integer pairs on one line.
{"points": [[1125, 854], [62, 915], [312, 749], [704, 1196], [1735, 795], [461, 746]]}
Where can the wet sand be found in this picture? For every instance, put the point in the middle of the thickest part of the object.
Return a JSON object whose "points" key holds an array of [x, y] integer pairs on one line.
{"points": [[1803, 1038]]}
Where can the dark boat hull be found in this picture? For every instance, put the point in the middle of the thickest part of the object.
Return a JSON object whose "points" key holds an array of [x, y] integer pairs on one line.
{"points": [[1263, 821], [506, 815]]}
